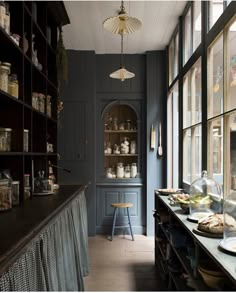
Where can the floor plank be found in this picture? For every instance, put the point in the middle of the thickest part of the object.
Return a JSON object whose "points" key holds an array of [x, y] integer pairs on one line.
{"points": [[122, 264]]}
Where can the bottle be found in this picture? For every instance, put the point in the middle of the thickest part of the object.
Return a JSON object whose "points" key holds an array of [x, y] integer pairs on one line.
{"points": [[133, 172]]}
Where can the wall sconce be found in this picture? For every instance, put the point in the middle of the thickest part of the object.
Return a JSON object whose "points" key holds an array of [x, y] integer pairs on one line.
{"points": [[160, 150], [153, 139]]}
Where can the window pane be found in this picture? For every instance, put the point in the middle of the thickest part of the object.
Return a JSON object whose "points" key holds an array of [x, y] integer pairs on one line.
{"points": [[197, 27], [171, 61], [187, 36], [231, 101], [196, 156], [196, 95], [231, 153], [173, 138], [215, 150], [176, 55], [187, 156], [215, 78], [216, 8], [192, 111]]}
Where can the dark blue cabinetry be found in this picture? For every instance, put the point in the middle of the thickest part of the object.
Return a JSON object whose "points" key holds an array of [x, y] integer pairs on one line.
{"points": [[106, 195]]}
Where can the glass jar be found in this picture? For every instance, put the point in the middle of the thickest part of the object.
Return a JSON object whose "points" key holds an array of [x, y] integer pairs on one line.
{"points": [[5, 139], [127, 171], [116, 149], [27, 180], [7, 19], [4, 72], [5, 195], [109, 173], [41, 98], [49, 106], [35, 103], [128, 125], [15, 193], [120, 170], [205, 198], [26, 140], [2, 14], [108, 149], [134, 170], [13, 86], [121, 126], [133, 147], [115, 124]]}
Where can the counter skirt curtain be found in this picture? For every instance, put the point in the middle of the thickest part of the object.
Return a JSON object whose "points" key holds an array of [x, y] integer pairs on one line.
{"points": [[57, 259]]}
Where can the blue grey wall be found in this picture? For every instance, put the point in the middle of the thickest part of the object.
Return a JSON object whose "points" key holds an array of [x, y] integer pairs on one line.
{"points": [[156, 112], [88, 90]]}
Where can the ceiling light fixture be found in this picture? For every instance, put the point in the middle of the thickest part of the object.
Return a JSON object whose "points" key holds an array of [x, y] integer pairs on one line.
{"points": [[122, 23], [122, 73]]}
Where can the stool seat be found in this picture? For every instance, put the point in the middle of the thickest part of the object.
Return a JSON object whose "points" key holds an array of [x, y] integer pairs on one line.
{"points": [[122, 205], [116, 206]]}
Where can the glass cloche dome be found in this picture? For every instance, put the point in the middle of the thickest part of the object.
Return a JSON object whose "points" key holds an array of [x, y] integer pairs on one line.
{"points": [[229, 241], [205, 198]]}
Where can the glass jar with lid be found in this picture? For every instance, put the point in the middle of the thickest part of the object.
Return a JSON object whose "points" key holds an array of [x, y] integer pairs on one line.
{"points": [[5, 69], [26, 140], [127, 171], [13, 86], [205, 198], [5, 139], [120, 170], [49, 106], [133, 172], [35, 103], [5, 195], [41, 98]]}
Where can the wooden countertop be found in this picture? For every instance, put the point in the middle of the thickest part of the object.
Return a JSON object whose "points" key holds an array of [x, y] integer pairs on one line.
{"points": [[21, 224]]}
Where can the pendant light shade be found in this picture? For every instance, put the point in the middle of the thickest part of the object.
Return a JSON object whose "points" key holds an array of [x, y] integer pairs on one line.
{"points": [[122, 23], [122, 74]]}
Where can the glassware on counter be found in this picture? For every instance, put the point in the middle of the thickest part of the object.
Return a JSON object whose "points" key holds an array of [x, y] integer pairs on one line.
{"points": [[5, 139], [120, 170], [26, 140], [5, 195], [13, 86], [205, 198], [15, 193], [5, 69]]}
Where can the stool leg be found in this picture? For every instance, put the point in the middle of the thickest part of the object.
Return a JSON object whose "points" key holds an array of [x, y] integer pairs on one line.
{"points": [[114, 223], [130, 225]]}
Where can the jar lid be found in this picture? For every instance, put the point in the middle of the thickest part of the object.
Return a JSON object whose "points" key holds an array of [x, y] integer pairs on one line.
{"points": [[26, 130], [5, 129], [4, 67], [6, 64], [15, 182]]}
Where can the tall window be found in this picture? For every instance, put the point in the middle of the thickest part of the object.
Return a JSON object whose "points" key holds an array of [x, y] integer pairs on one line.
{"points": [[173, 137], [187, 36], [216, 8], [222, 109], [173, 57], [192, 117]]}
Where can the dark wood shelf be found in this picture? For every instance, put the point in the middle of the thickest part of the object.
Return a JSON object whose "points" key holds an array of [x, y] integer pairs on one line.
{"points": [[121, 155], [121, 131], [11, 153]]}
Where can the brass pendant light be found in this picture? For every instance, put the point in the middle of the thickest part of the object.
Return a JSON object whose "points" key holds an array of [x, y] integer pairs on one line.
{"points": [[122, 73], [122, 23]]}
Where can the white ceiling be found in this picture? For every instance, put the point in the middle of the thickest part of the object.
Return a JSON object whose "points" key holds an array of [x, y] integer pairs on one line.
{"points": [[86, 32]]}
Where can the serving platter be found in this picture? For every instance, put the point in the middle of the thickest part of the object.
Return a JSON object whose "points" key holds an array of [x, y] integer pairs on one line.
{"points": [[229, 245], [207, 234], [167, 191]]}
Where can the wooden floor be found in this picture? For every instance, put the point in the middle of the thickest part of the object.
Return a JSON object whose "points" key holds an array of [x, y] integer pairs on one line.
{"points": [[122, 264]]}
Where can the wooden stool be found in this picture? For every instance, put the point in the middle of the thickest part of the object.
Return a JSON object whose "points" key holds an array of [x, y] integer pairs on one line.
{"points": [[117, 206]]}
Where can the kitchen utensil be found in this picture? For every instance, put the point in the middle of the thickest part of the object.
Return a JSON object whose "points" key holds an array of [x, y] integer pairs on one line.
{"points": [[160, 150]]}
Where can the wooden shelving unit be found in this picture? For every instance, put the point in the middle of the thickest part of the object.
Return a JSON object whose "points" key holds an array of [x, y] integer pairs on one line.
{"points": [[31, 18]]}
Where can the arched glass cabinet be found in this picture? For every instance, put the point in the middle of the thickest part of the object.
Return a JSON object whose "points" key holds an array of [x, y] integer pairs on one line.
{"points": [[121, 142]]}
